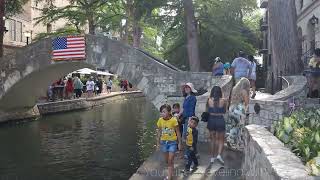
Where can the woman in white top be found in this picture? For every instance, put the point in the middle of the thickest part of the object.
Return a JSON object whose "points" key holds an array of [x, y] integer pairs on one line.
{"points": [[90, 87], [253, 75]]}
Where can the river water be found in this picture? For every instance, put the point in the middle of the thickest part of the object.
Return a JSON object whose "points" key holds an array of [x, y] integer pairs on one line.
{"points": [[107, 142]]}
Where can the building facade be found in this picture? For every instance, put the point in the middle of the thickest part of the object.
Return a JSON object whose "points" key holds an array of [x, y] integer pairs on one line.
{"points": [[308, 12], [22, 28]]}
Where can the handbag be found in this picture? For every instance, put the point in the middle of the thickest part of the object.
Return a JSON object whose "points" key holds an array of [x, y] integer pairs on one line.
{"points": [[205, 116]]}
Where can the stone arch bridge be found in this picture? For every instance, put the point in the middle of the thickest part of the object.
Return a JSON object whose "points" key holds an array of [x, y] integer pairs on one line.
{"points": [[27, 73]]}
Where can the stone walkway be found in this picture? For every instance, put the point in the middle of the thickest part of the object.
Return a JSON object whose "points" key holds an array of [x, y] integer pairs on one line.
{"points": [[95, 97], [154, 167]]}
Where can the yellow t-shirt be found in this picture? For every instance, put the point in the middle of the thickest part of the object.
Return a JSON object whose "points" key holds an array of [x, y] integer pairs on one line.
{"points": [[189, 139], [167, 128]]}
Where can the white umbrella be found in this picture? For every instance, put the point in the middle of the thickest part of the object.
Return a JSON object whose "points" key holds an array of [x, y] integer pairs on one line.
{"points": [[104, 73], [85, 71]]}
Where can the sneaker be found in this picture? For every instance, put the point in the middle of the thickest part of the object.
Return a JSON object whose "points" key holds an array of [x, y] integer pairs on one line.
{"points": [[166, 178], [212, 160], [194, 168], [220, 159], [185, 172]]}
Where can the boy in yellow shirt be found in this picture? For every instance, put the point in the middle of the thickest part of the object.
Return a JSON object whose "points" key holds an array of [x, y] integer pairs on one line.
{"points": [[168, 137], [191, 144]]}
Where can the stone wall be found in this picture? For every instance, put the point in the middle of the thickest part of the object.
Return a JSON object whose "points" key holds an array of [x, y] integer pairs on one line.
{"points": [[19, 115], [275, 107], [270, 111], [83, 103], [266, 158]]}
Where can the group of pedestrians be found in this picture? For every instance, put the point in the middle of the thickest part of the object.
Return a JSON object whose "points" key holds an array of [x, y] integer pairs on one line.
{"points": [[177, 128], [73, 87], [242, 66]]}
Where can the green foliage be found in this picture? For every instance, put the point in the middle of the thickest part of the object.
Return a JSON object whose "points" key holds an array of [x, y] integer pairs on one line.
{"points": [[224, 27], [14, 6], [67, 30], [301, 133], [78, 13]]}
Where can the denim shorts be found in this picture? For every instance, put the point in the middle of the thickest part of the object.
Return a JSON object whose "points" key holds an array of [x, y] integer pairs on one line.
{"points": [[168, 146]]}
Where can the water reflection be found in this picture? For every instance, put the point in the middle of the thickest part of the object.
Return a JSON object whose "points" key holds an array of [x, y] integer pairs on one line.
{"points": [[108, 142]]}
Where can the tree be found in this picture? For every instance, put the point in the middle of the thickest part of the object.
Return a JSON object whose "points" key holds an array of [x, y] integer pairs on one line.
{"points": [[138, 13], [224, 28], [284, 40], [192, 36], [78, 13], [7, 9]]}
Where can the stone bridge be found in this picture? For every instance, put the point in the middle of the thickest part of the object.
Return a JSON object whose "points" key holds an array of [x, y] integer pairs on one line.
{"points": [[25, 75]]}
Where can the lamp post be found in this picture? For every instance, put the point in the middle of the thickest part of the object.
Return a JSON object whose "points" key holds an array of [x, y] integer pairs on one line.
{"points": [[27, 34]]}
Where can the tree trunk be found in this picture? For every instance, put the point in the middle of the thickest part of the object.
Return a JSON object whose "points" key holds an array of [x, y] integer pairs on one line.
{"points": [[137, 33], [1, 26], [284, 41], [192, 36], [92, 26]]}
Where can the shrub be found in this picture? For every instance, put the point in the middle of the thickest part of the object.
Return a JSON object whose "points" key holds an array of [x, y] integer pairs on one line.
{"points": [[301, 133]]}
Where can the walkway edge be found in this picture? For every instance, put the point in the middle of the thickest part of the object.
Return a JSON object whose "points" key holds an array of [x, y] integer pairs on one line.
{"points": [[85, 103]]}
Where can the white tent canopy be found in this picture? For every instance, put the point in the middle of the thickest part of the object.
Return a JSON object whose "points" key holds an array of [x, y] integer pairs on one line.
{"points": [[90, 71], [104, 73]]}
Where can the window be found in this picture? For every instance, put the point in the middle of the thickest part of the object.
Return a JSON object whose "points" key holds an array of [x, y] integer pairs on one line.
{"points": [[12, 29], [18, 31]]}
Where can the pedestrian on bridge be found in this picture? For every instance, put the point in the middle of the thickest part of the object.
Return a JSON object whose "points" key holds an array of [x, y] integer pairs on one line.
{"points": [[217, 69], [216, 107], [240, 67], [253, 75]]}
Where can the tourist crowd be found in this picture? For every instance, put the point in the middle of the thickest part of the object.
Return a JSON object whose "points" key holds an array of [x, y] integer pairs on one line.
{"points": [[177, 127], [73, 87]]}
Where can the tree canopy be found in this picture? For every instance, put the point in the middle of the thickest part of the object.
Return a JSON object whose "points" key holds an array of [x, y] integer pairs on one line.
{"points": [[222, 27]]}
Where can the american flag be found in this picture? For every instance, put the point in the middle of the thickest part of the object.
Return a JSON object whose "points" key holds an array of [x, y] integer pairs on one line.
{"points": [[69, 48]]}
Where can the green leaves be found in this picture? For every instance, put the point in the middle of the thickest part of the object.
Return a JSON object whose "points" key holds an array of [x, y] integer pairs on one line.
{"points": [[301, 133], [14, 6], [224, 27]]}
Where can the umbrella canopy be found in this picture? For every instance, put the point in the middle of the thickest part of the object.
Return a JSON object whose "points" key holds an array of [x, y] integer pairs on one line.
{"points": [[104, 73], [90, 71], [85, 71]]}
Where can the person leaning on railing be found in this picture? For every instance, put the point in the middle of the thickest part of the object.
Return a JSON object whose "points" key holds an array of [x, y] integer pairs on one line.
{"points": [[314, 80]]}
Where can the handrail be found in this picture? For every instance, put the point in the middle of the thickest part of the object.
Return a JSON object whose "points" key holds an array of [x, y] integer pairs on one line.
{"points": [[158, 60], [282, 77]]}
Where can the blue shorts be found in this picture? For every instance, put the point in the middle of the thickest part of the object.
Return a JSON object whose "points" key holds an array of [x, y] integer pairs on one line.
{"points": [[168, 146]]}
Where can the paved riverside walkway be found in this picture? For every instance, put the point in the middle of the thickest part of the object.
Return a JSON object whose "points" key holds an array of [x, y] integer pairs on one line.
{"points": [[154, 167], [95, 97]]}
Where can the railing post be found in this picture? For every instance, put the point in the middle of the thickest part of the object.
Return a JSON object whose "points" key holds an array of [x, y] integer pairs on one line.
{"points": [[280, 82], [272, 81]]}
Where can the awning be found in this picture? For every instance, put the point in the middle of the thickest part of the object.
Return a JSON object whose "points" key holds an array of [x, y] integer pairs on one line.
{"points": [[90, 71]]}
